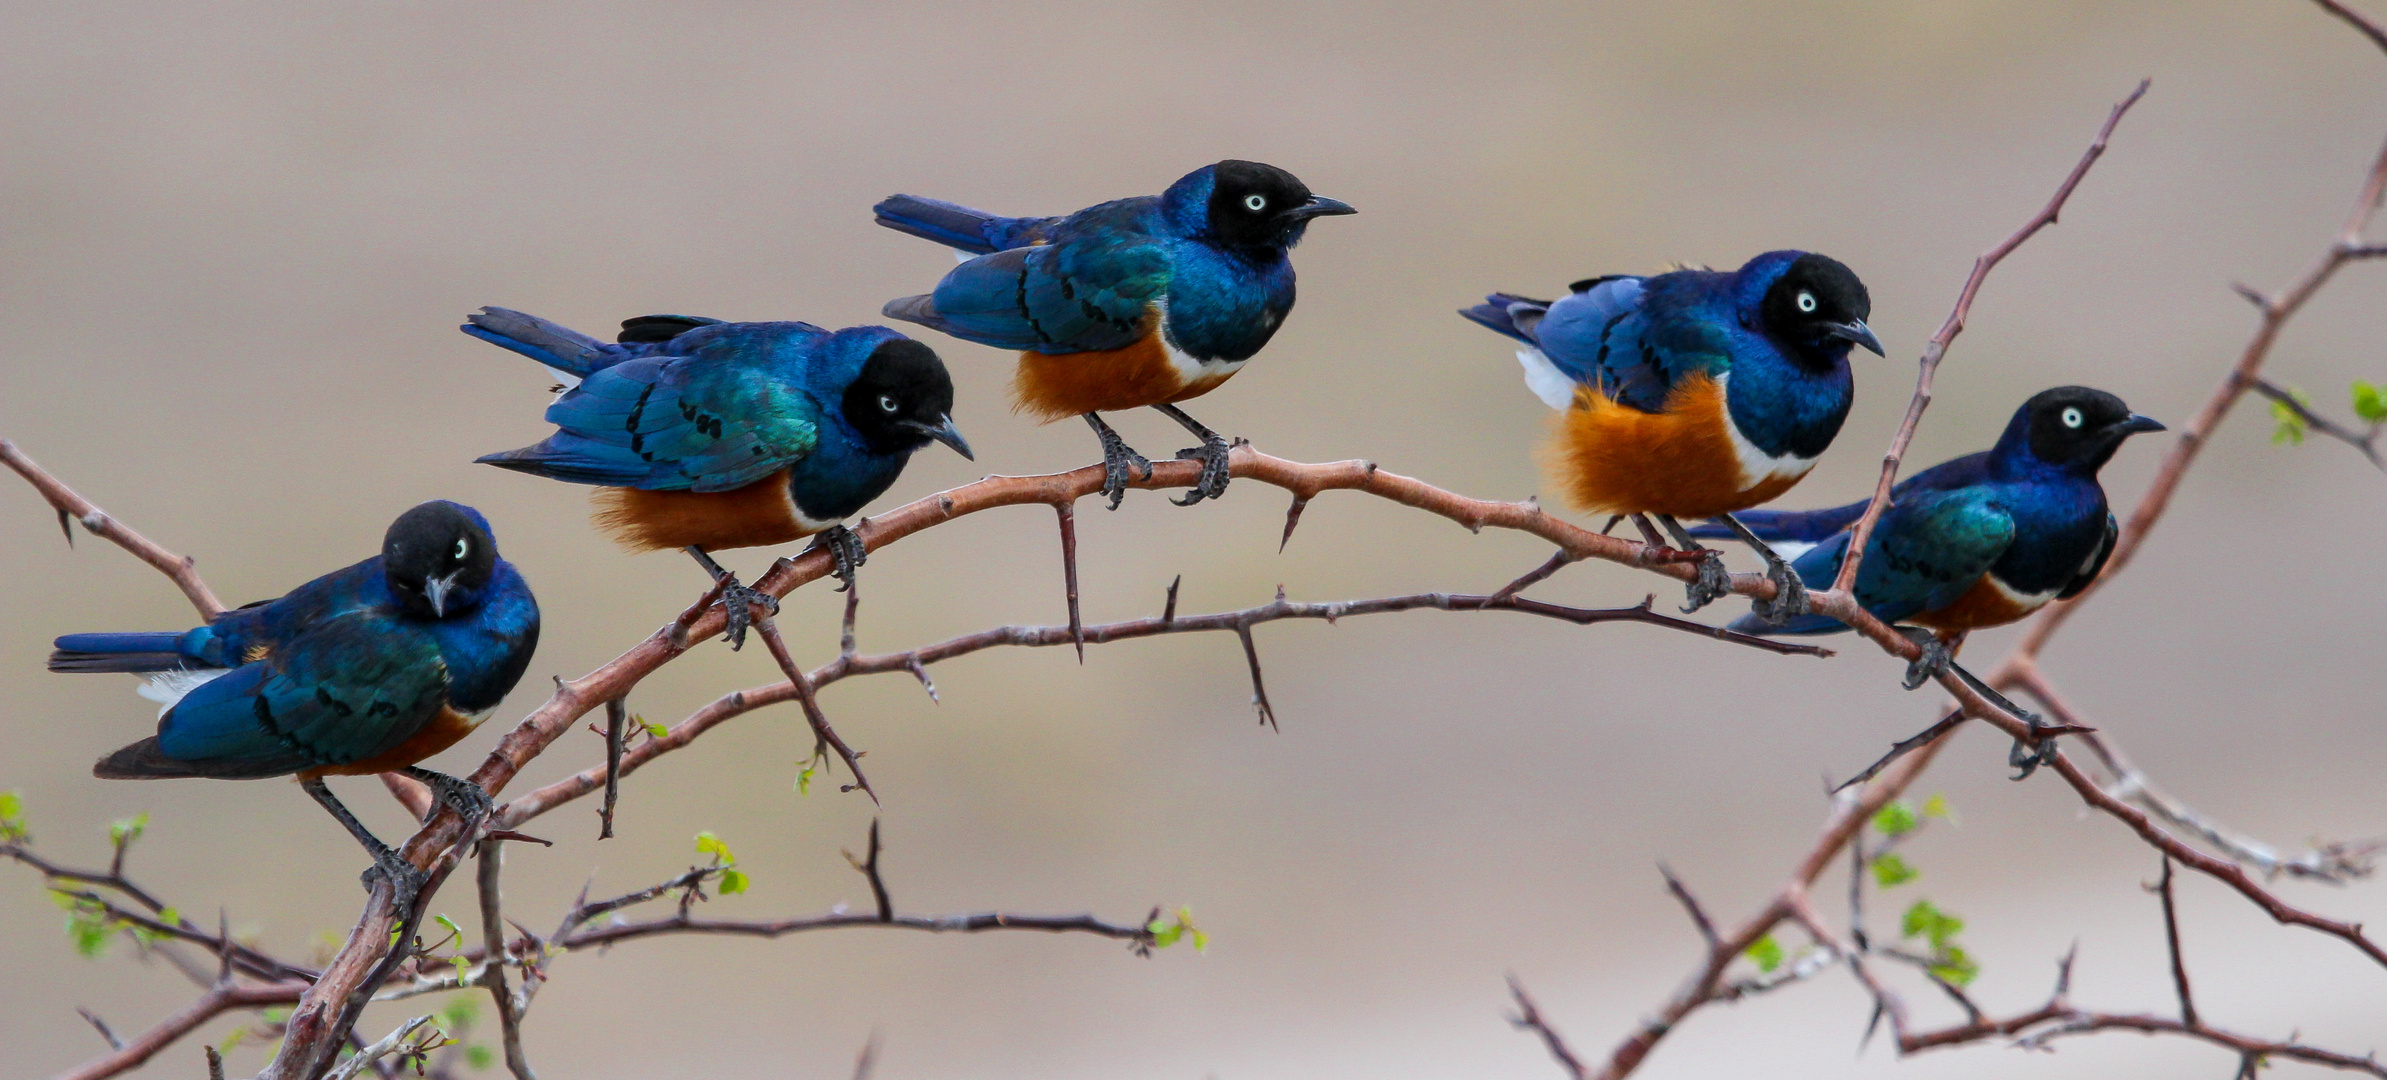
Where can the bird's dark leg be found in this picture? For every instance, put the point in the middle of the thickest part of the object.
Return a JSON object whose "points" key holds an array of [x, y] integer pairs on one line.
{"points": [[1713, 580], [1212, 454], [1790, 593], [406, 881], [1118, 459], [468, 799], [737, 601], [845, 553], [1938, 657]]}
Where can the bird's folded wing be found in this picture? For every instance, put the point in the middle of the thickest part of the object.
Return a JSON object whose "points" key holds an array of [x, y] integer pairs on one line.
{"points": [[356, 686], [1087, 295], [674, 424], [1931, 549]]}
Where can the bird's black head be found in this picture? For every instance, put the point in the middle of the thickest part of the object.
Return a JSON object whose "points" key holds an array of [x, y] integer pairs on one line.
{"points": [[2075, 427], [902, 399], [1262, 206], [437, 557], [1819, 303]]}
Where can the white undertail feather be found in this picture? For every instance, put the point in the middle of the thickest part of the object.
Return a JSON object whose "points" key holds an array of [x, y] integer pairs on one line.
{"points": [[961, 256], [1545, 380], [1790, 550], [168, 687]]}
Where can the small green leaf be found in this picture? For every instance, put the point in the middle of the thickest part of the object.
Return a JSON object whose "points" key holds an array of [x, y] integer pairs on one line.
{"points": [[804, 780], [732, 882], [2370, 403], [460, 1012], [1767, 953], [12, 816], [128, 830], [88, 929], [2290, 431], [170, 916], [1896, 819], [1925, 920], [450, 924], [1937, 807], [709, 844], [463, 967], [1956, 966], [655, 730], [233, 1039], [479, 1057], [1892, 870]]}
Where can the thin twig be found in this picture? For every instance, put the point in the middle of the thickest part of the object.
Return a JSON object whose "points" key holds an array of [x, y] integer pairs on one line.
{"points": [[2171, 939], [617, 722], [493, 967], [1530, 1018], [1938, 346], [181, 569], [2365, 441]]}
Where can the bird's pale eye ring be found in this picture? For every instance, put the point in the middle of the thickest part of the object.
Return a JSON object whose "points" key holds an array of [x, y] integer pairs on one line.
{"points": [[1807, 302], [887, 402], [463, 548], [1255, 203], [2072, 418]]}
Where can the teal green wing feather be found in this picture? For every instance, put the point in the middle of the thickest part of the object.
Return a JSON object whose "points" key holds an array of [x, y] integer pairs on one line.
{"points": [[357, 685], [1929, 550], [675, 424]]}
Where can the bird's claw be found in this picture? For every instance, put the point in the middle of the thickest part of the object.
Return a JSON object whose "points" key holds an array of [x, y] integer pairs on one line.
{"points": [[1790, 595], [1213, 483], [471, 801], [405, 878], [1119, 460], [1713, 581], [737, 603], [846, 553], [2025, 757], [1933, 660]]}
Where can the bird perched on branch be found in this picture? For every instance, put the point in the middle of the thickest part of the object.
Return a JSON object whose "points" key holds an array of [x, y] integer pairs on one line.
{"points": [[704, 435], [1135, 302], [1977, 541], [1982, 540], [1695, 393], [364, 670]]}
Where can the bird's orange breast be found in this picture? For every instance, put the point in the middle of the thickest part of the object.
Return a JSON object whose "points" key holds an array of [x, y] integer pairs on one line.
{"points": [[1613, 459], [444, 730], [760, 514], [1050, 387], [1983, 605]]}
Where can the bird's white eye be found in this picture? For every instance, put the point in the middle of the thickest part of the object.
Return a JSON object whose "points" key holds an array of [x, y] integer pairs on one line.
{"points": [[2072, 418], [463, 548], [1807, 302], [887, 402], [1255, 203]]}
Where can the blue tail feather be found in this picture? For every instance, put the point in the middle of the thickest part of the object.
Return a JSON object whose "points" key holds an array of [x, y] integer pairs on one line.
{"points": [[559, 347], [956, 226], [148, 651], [1499, 313], [1796, 526]]}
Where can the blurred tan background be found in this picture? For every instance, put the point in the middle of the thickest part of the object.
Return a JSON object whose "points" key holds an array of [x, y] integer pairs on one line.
{"points": [[238, 238]]}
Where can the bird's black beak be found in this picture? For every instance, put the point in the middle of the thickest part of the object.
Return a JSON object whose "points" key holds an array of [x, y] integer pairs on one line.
{"points": [[1320, 206], [2135, 424], [1855, 331], [945, 433]]}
